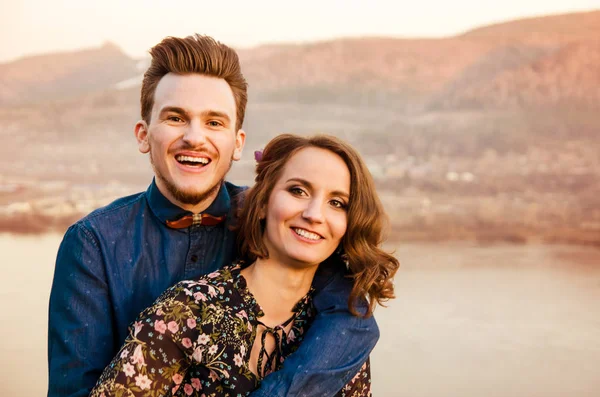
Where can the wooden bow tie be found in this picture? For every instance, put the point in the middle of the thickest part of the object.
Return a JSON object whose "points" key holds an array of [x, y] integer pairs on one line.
{"points": [[195, 219]]}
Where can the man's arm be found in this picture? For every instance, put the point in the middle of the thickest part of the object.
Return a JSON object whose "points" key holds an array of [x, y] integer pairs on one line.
{"points": [[333, 350], [80, 327]]}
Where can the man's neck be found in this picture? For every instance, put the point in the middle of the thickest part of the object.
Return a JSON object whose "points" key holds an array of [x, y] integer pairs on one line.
{"points": [[195, 208]]}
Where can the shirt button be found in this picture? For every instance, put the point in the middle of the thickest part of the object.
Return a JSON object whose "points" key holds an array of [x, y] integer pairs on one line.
{"points": [[194, 258]]}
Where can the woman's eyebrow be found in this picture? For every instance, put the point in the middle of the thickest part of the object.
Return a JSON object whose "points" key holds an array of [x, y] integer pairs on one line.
{"points": [[340, 193], [310, 186], [301, 181]]}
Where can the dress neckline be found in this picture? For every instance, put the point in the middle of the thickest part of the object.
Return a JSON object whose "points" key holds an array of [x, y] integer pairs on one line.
{"points": [[266, 362], [242, 286]]}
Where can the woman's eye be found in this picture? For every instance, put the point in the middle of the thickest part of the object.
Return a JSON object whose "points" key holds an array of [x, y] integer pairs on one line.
{"points": [[297, 191], [338, 204]]}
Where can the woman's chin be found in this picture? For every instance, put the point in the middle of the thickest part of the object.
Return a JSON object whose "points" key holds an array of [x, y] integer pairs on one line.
{"points": [[304, 261]]}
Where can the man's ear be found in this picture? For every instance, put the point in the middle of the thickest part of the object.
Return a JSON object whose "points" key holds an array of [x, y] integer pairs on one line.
{"points": [[240, 140], [141, 134]]}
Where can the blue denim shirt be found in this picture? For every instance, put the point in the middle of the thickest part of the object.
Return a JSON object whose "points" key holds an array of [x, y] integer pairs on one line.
{"points": [[116, 261]]}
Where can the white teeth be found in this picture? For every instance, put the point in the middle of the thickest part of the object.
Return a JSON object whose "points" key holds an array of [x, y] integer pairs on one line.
{"points": [[307, 234], [202, 160]]}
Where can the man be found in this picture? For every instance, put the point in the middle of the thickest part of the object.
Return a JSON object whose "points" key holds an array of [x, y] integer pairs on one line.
{"points": [[120, 258]]}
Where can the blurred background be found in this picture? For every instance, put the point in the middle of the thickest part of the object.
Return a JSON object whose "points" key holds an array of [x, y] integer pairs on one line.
{"points": [[478, 121]]}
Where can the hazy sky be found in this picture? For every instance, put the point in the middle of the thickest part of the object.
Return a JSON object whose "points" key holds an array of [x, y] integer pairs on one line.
{"points": [[38, 26]]}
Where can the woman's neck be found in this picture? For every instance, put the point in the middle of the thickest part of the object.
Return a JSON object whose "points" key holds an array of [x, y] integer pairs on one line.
{"points": [[277, 287]]}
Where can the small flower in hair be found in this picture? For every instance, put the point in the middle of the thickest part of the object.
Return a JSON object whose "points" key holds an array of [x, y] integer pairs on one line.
{"points": [[258, 155]]}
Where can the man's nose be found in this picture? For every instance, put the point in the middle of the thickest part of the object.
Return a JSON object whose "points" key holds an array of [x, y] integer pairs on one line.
{"points": [[314, 211], [195, 134]]}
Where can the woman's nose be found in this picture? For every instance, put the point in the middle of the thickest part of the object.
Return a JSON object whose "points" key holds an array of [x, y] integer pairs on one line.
{"points": [[313, 211]]}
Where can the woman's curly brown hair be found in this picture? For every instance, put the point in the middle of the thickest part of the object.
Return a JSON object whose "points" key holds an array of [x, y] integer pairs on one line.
{"points": [[371, 268]]}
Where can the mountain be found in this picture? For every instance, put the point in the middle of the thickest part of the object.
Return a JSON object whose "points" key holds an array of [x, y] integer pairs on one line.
{"points": [[529, 77], [533, 62], [63, 75], [551, 30], [405, 70], [488, 66]]}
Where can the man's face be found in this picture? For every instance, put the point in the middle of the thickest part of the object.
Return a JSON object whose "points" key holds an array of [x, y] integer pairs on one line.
{"points": [[191, 138]]}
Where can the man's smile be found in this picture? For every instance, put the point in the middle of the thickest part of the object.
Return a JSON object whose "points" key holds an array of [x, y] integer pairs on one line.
{"points": [[192, 161]]}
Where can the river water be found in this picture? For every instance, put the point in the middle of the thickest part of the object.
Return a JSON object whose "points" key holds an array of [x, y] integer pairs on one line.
{"points": [[499, 320]]}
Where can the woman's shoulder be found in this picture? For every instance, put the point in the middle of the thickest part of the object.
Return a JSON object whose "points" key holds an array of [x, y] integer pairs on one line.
{"points": [[225, 275], [211, 286]]}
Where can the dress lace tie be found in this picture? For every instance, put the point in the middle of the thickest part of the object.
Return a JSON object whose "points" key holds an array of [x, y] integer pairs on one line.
{"points": [[277, 332]]}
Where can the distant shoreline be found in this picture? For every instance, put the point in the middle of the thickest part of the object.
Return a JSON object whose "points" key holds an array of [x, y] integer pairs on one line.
{"points": [[37, 224]]}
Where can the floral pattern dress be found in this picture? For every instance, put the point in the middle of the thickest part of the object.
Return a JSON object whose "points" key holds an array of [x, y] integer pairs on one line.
{"points": [[196, 341]]}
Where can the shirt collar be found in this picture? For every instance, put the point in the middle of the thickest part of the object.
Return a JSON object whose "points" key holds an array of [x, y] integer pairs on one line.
{"points": [[166, 210]]}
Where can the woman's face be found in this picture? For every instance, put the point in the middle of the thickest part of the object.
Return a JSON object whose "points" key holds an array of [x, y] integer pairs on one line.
{"points": [[306, 216]]}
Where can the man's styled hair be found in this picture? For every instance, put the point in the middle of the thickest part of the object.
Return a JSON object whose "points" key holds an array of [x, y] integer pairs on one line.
{"points": [[194, 54], [371, 268]]}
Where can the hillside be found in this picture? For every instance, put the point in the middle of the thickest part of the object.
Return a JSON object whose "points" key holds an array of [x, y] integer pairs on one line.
{"points": [[489, 135], [545, 61], [527, 77], [549, 30], [63, 75]]}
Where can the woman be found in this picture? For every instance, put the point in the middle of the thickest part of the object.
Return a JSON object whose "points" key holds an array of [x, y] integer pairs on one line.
{"points": [[313, 200]]}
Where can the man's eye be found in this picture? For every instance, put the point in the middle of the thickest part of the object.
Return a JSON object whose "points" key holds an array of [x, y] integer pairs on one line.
{"points": [[214, 123], [175, 119]]}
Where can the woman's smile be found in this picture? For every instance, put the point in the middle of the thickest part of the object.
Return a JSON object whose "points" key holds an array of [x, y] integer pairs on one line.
{"points": [[304, 234]]}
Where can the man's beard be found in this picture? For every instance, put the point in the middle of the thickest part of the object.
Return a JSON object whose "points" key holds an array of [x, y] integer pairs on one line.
{"points": [[191, 198]]}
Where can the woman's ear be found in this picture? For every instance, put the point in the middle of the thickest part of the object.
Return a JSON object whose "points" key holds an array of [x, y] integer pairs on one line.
{"points": [[262, 212]]}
